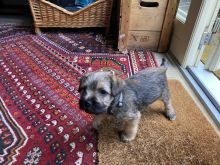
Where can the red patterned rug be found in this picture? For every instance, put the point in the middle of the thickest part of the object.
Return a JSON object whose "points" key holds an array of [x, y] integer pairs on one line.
{"points": [[82, 41], [40, 122]]}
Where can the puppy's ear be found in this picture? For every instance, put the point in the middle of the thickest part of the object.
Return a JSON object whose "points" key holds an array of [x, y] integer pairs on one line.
{"points": [[117, 85], [81, 83]]}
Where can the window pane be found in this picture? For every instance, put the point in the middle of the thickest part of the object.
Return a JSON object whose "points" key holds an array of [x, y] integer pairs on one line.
{"points": [[183, 9]]}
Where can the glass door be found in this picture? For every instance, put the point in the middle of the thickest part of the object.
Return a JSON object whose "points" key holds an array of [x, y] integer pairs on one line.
{"points": [[195, 44], [207, 68]]}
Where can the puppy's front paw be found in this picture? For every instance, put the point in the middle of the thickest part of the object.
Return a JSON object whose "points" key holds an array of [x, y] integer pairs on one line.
{"points": [[97, 125], [124, 137], [171, 116]]}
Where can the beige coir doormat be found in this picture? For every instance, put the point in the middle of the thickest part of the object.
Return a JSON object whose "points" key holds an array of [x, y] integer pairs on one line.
{"points": [[188, 140]]}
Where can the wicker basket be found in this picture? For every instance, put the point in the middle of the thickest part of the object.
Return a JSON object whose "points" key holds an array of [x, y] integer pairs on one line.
{"points": [[47, 14]]}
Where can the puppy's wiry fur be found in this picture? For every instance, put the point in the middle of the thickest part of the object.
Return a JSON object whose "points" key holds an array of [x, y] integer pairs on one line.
{"points": [[102, 93]]}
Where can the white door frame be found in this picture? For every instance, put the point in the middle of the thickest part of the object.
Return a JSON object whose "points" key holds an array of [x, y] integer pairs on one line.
{"points": [[204, 18]]}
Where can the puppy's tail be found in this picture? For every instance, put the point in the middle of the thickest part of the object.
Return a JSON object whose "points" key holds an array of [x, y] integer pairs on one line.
{"points": [[163, 63]]}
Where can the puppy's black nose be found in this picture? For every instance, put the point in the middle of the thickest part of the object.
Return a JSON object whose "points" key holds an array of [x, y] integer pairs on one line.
{"points": [[88, 104]]}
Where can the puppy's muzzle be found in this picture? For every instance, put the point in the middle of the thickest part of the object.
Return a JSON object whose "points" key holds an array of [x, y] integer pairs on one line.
{"points": [[91, 107], [87, 104], [84, 104]]}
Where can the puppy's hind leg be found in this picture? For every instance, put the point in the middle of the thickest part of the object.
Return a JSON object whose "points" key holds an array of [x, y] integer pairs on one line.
{"points": [[170, 112]]}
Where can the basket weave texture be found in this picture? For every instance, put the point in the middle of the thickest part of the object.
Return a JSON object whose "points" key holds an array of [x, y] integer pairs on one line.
{"points": [[47, 14]]}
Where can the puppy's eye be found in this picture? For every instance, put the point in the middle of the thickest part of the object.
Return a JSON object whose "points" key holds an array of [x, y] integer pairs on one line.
{"points": [[103, 92]]}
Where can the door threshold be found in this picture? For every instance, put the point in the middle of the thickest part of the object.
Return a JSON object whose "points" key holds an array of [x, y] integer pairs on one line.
{"points": [[209, 83]]}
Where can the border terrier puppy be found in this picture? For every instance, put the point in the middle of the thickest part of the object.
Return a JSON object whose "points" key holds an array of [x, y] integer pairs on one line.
{"points": [[102, 94]]}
